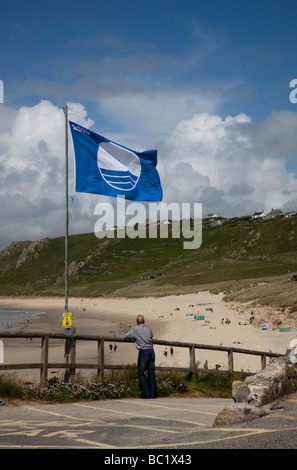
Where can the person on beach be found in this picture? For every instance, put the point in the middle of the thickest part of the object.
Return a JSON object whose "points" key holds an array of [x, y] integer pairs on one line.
{"points": [[143, 337]]}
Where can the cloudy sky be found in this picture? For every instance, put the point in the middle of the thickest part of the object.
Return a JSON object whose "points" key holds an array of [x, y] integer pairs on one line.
{"points": [[207, 83]]}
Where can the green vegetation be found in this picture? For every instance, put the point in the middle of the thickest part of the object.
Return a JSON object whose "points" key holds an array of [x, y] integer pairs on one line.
{"points": [[243, 257], [118, 385], [11, 387]]}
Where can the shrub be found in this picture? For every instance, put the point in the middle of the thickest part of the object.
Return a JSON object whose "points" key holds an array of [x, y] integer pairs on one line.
{"points": [[118, 388], [118, 385], [11, 387]]}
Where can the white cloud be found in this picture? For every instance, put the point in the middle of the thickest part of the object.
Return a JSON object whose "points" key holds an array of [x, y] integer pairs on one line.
{"points": [[32, 177], [233, 166], [155, 111]]}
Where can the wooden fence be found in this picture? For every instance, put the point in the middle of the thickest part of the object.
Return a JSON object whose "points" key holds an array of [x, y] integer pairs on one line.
{"points": [[72, 342]]}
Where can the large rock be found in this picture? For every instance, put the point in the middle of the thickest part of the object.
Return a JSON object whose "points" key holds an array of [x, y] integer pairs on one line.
{"points": [[252, 396], [279, 378], [241, 412]]}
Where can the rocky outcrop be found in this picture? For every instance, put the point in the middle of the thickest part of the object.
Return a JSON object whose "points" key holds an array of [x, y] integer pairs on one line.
{"points": [[237, 413], [31, 251], [260, 393]]}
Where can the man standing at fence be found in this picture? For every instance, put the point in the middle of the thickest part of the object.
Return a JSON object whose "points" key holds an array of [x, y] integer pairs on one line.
{"points": [[143, 337]]}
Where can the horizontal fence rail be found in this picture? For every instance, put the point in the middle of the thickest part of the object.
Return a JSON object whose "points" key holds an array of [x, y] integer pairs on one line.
{"points": [[72, 340]]}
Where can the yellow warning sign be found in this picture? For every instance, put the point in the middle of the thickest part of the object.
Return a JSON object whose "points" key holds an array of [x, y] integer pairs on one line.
{"points": [[67, 320]]}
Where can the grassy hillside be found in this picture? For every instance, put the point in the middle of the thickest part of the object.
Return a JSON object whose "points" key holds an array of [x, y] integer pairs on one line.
{"points": [[246, 257]]}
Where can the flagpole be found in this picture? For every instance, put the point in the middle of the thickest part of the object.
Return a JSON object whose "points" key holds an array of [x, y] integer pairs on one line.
{"points": [[70, 342], [65, 109]]}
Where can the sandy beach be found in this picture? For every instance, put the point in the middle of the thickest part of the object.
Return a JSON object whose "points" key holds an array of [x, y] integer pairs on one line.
{"points": [[201, 318]]}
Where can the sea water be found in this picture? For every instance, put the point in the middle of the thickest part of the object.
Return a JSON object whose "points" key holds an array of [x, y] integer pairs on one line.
{"points": [[11, 320]]}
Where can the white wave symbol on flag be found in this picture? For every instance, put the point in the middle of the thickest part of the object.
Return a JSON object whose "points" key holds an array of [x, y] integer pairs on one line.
{"points": [[119, 167], [119, 179]]}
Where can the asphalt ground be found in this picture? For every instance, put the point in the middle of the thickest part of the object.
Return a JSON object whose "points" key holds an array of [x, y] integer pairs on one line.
{"points": [[163, 429]]}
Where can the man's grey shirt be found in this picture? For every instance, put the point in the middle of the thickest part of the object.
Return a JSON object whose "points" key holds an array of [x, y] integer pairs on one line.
{"points": [[143, 336]]}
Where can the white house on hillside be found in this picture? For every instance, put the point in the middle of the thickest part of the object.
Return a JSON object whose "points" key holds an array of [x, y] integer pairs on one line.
{"points": [[274, 213], [257, 215]]}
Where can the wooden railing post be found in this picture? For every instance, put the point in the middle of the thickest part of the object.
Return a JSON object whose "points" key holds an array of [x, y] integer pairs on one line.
{"points": [[44, 361], [70, 356], [230, 363], [263, 361], [192, 361], [100, 371]]}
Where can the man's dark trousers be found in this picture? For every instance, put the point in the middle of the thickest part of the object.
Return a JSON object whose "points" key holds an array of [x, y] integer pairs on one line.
{"points": [[146, 361]]}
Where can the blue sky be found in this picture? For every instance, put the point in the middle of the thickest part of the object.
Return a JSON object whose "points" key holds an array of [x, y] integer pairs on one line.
{"points": [[241, 49], [205, 82]]}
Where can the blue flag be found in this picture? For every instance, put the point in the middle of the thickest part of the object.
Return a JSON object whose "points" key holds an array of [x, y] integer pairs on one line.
{"points": [[106, 168]]}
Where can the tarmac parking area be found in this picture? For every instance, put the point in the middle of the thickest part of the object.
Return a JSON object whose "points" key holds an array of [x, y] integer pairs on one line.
{"points": [[135, 427]]}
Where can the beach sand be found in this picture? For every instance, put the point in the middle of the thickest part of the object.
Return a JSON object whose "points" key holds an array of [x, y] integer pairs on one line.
{"points": [[171, 318]]}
